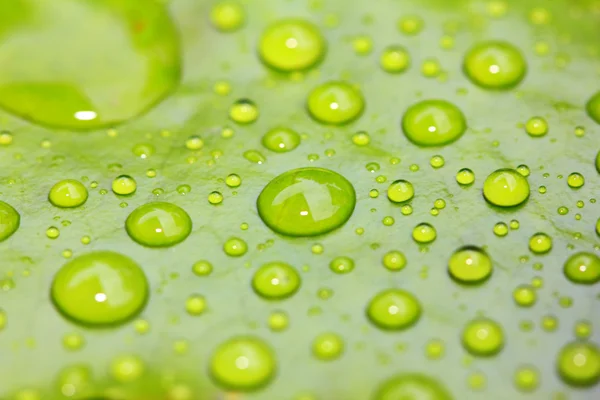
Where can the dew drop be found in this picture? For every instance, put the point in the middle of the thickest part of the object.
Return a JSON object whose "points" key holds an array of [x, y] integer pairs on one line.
{"points": [[281, 140], [394, 309], [526, 378], [233, 180], [235, 247], [194, 143], [276, 281], [278, 321], [306, 202], [582, 268], [227, 16], [483, 337], [127, 368], [361, 138], [505, 188], [10, 220], [73, 341], [433, 123], [100, 288], [243, 112], [341, 265], [202, 268], [394, 59], [335, 103], [575, 180], [424, 233], [68, 193], [524, 296], [394, 260], [215, 198], [437, 161], [400, 191], [470, 265], [52, 232], [184, 189], [410, 24], [292, 45], [495, 65], [195, 304], [65, 94], [465, 177], [578, 364], [540, 243], [143, 150], [536, 127], [124, 185], [328, 346], [593, 108], [255, 157], [412, 386], [158, 224], [243, 363]]}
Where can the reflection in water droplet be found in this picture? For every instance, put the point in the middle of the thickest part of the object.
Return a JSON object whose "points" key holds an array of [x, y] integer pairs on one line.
{"points": [[433, 123], [92, 92], [281, 140], [158, 224], [276, 280], [306, 202], [328, 346], [68, 193], [100, 288], [243, 363], [470, 265], [578, 364], [483, 337], [394, 309], [582, 268], [335, 103], [495, 65], [506, 188]]}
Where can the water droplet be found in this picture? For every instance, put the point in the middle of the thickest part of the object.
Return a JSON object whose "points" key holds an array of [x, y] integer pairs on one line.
{"points": [[68, 193], [141, 326], [433, 123], [388, 221], [395, 59], [276, 281], [437, 162], [410, 24], [278, 321], [52, 232], [536, 127], [124, 185], [439, 204], [317, 248], [524, 296], [583, 329], [100, 288], [400, 191], [506, 188], [374, 167], [335, 103], [292, 45], [3, 319], [593, 108], [243, 363], [495, 65], [143, 150], [328, 346], [306, 202], [540, 243], [361, 138], [235, 247], [483, 337], [470, 265], [73, 341], [127, 368], [243, 111], [362, 45], [9, 220], [582, 268], [394, 260], [195, 304], [65, 94], [424, 233], [526, 378], [549, 323], [194, 143], [227, 16], [281, 140], [465, 177], [158, 224], [523, 170], [6, 138], [575, 180], [255, 157], [202, 268], [394, 309], [74, 380], [215, 198], [341, 265], [578, 364], [514, 224], [373, 193], [406, 209], [412, 386]]}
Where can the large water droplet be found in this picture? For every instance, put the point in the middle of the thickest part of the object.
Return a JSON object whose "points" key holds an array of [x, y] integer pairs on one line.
{"points": [[127, 63], [506, 188], [578, 364], [583, 268], [306, 202], [276, 280], [483, 337], [68, 193], [394, 309], [291, 45], [470, 265], [158, 224], [335, 103], [433, 123], [413, 387], [100, 288], [243, 364], [495, 65], [9, 220]]}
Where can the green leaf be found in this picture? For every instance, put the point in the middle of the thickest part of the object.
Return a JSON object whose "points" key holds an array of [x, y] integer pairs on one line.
{"points": [[161, 78]]}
